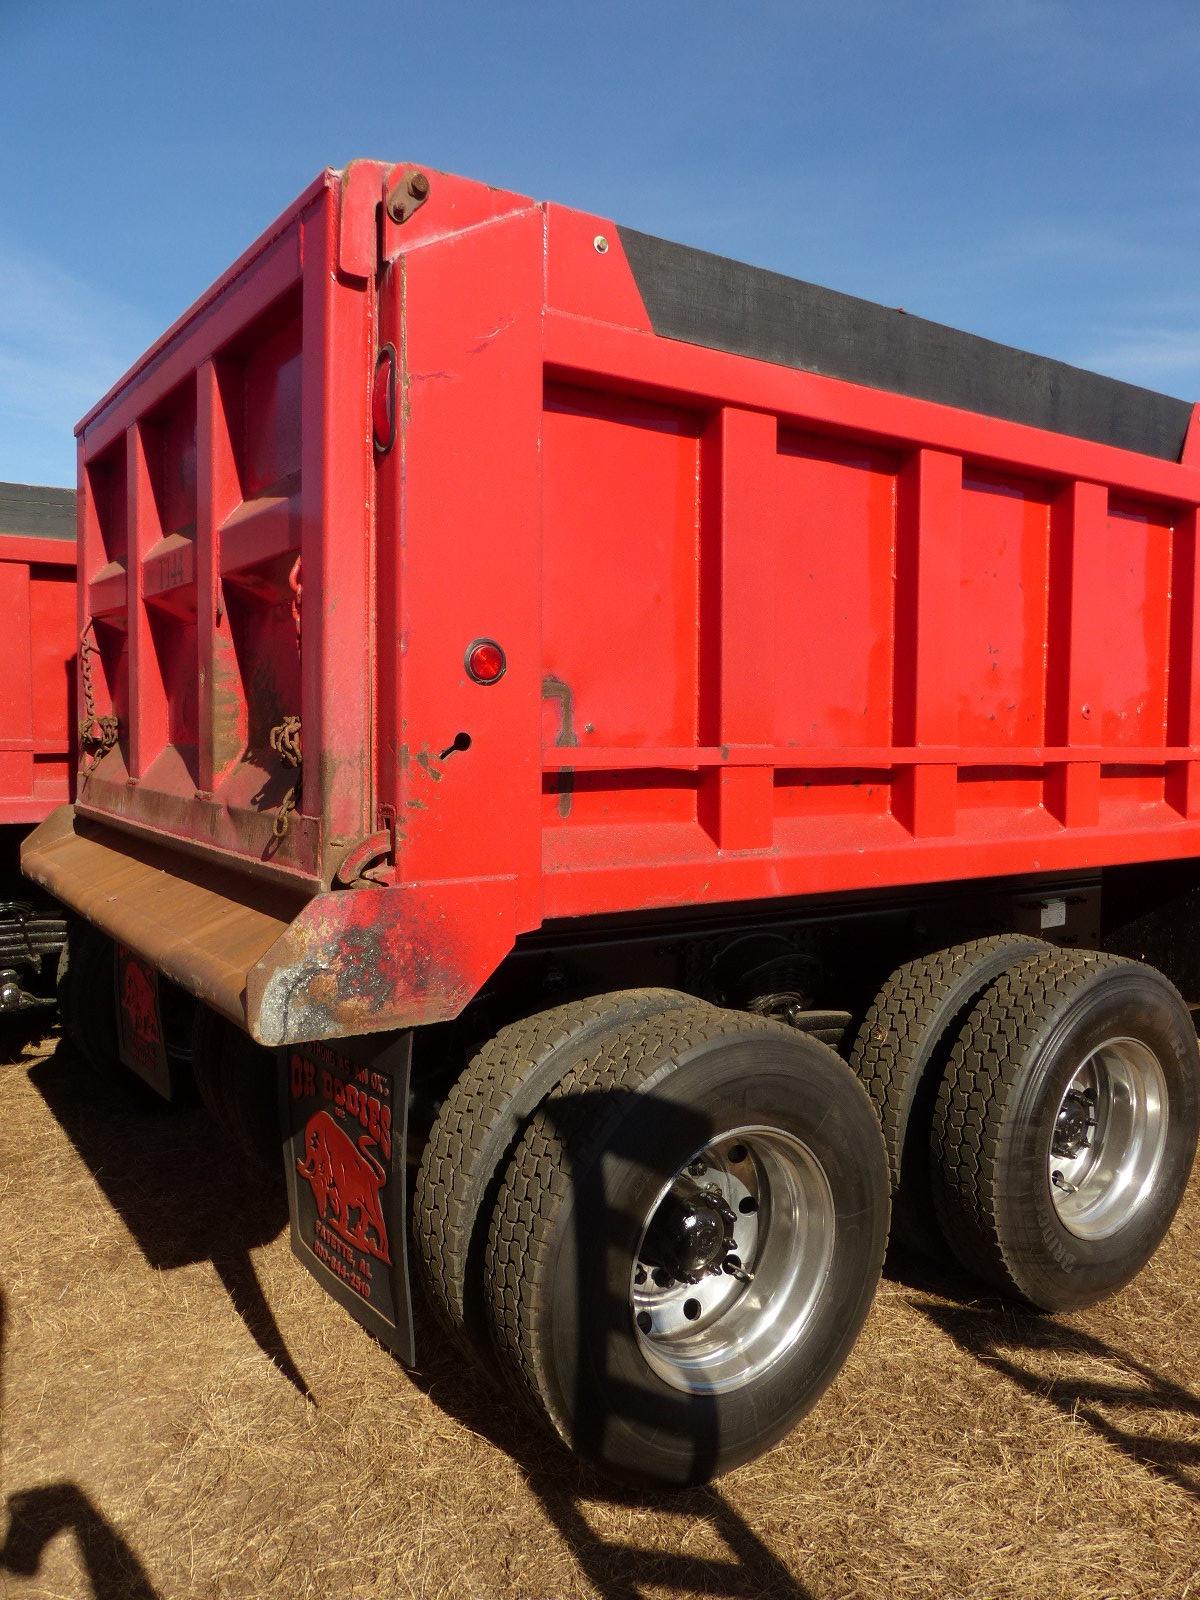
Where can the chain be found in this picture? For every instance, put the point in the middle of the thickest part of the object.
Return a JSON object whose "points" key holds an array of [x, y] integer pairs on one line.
{"points": [[297, 588], [285, 741], [285, 735], [283, 816], [96, 734]]}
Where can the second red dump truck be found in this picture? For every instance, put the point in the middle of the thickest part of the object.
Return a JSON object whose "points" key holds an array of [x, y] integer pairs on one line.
{"points": [[631, 766], [37, 697]]}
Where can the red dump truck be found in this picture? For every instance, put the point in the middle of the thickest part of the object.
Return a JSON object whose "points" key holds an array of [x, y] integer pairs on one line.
{"points": [[37, 694], [630, 768]]}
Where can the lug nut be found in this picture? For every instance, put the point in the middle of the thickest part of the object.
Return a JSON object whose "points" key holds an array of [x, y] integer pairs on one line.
{"points": [[697, 1168]]}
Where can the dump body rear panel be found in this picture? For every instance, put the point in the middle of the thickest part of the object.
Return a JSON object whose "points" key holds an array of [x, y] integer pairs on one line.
{"points": [[208, 490], [37, 649], [796, 596]]}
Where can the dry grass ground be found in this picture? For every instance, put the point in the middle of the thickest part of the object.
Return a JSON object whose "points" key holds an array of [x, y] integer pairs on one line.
{"points": [[186, 1415]]}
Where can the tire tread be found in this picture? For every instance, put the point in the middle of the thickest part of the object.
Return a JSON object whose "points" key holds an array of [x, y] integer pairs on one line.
{"points": [[537, 1183], [986, 1065], [895, 1033], [477, 1126]]}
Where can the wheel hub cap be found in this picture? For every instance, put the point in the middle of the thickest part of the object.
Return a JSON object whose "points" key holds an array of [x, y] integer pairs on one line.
{"points": [[733, 1260], [1109, 1135], [690, 1234], [1073, 1126]]}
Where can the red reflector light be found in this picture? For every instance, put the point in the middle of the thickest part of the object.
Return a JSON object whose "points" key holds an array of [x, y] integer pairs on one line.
{"points": [[486, 661], [383, 400]]}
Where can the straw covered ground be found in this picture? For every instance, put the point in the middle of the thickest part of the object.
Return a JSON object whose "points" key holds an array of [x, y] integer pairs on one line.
{"points": [[186, 1415]]}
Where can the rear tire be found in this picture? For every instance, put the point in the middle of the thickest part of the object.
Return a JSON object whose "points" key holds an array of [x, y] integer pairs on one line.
{"points": [[900, 1056], [600, 1162], [237, 1080], [1085, 1066], [478, 1124], [87, 995]]}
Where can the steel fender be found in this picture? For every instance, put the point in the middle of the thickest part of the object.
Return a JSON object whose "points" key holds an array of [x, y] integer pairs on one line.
{"points": [[360, 961]]}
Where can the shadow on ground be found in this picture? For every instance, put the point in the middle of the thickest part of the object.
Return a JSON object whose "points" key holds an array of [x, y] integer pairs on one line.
{"points": [[21, 1030], [1086, 1377], [632, 1410], [566, 1488], [184, 1195], [1083, 1376], [186, 1198], [37, 1516]]}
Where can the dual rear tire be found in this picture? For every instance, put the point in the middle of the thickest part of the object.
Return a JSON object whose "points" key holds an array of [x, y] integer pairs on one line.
{"points": [[86, 988], [1065, 1127], [1041, 1108], [87, 995], [664, 1222], [900, 1055], [234, 1077], [237, 1083], [673, 1250]]}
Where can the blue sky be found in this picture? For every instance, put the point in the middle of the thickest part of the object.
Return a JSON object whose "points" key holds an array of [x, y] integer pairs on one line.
{"points": [[1027, 169]]}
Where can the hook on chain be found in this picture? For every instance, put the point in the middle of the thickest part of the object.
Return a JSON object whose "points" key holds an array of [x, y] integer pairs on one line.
{"points": [[97, 734], [285, 735]]}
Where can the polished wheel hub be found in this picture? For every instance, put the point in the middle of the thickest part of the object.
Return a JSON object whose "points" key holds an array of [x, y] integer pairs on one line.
{"points": [[1074, 1124], [733, 1257], [1110, 1131]]}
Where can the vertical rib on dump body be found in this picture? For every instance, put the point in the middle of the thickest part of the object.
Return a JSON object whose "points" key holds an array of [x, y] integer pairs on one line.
{"points": [[795, 595]]}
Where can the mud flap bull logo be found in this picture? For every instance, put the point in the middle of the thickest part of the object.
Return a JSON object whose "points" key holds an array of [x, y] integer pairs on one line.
{"points": [[138, 1003], [346, 1179]]}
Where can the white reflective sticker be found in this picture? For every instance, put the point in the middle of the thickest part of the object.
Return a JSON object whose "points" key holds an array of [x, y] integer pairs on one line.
{"points": [[1054, 913]]}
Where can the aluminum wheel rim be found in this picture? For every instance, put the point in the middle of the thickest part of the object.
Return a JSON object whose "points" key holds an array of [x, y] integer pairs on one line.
{"points": [[1110, 1131], [752, 1313]]}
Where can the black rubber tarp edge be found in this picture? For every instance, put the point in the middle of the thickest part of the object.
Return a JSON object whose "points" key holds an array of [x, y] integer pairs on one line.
{"points": [[37, 511], [709, 300]]}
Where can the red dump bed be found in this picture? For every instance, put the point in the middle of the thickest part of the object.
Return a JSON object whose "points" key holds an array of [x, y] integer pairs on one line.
{"points": [[794, 594], [38, 635]]}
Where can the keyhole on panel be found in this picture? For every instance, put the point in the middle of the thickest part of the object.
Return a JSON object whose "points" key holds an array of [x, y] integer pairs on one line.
{"points": [[461, 741]]}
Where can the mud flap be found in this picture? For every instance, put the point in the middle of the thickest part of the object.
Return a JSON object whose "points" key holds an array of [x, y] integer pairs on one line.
{"points": [[140, 1038], [344, 1112]]}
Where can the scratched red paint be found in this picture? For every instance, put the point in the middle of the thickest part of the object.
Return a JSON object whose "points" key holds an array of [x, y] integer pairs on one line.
{"points": [[810, 636]]}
